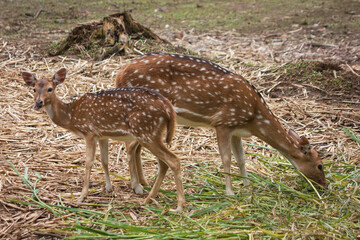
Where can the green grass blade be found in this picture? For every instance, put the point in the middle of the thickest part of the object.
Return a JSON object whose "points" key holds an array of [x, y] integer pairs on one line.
{"points": [[210, 209], [352, 135]]}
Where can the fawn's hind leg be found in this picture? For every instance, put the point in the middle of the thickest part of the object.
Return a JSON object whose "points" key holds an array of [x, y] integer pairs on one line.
{"points": [[166, 159]]}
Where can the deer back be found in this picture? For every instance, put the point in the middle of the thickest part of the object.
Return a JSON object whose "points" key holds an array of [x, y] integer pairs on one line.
{"points": [[122, 111]]}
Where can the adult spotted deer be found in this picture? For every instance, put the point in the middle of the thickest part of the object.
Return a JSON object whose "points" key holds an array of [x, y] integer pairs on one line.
{"points": [[207, 95], [124, 114]]}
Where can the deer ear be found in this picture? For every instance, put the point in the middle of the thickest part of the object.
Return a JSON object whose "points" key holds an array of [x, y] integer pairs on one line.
{"points": [[29, 79], [294, 135], [304, 145], [59, 76]]}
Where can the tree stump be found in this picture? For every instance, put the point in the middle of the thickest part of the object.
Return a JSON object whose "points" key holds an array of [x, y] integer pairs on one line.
{"points": [[103, 38]]}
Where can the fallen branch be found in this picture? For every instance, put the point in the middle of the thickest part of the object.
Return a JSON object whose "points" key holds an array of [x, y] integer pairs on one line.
{"points": [[321, 45], [38, 13], [352, 70]]}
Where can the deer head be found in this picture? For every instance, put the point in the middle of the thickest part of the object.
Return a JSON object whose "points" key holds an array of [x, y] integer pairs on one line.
{"points": [[44, 89]]}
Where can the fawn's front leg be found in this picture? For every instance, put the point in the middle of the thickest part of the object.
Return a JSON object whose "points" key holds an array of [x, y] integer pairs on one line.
{"points": [[90, 154]]}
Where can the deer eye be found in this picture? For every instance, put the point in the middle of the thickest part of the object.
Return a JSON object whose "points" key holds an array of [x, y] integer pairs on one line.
{"points": [[320, 167], [50, 90], [34, 90]]}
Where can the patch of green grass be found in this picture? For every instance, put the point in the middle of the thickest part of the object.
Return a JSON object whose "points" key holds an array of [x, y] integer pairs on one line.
{"points": [[246, 17], [269, 208], [317, 73]]}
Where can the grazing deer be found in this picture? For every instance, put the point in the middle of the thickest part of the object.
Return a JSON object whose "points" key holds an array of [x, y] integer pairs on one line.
{"points": [[207, 95], [124, 114]]}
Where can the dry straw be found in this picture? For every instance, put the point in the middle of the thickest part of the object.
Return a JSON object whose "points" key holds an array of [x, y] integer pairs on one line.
{"points": [[39, 149]]}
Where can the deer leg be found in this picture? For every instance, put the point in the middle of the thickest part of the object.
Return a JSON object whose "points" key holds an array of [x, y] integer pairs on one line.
{"points": [[131, 156], [238, 150], [223, 135], [90, 154], [104, 156], [139, 168], [159, 178], [167, 159]]}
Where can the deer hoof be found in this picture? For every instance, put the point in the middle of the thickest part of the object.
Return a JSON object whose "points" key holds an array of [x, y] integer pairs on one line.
{"points": [[138, 189]]}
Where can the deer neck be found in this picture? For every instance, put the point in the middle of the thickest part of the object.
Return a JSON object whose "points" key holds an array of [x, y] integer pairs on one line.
{"points": [[276, 136], [58, 112]]}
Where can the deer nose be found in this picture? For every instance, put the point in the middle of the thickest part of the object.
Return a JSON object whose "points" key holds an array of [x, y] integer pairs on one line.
{"points": [[325, 184], [38, 104]]}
